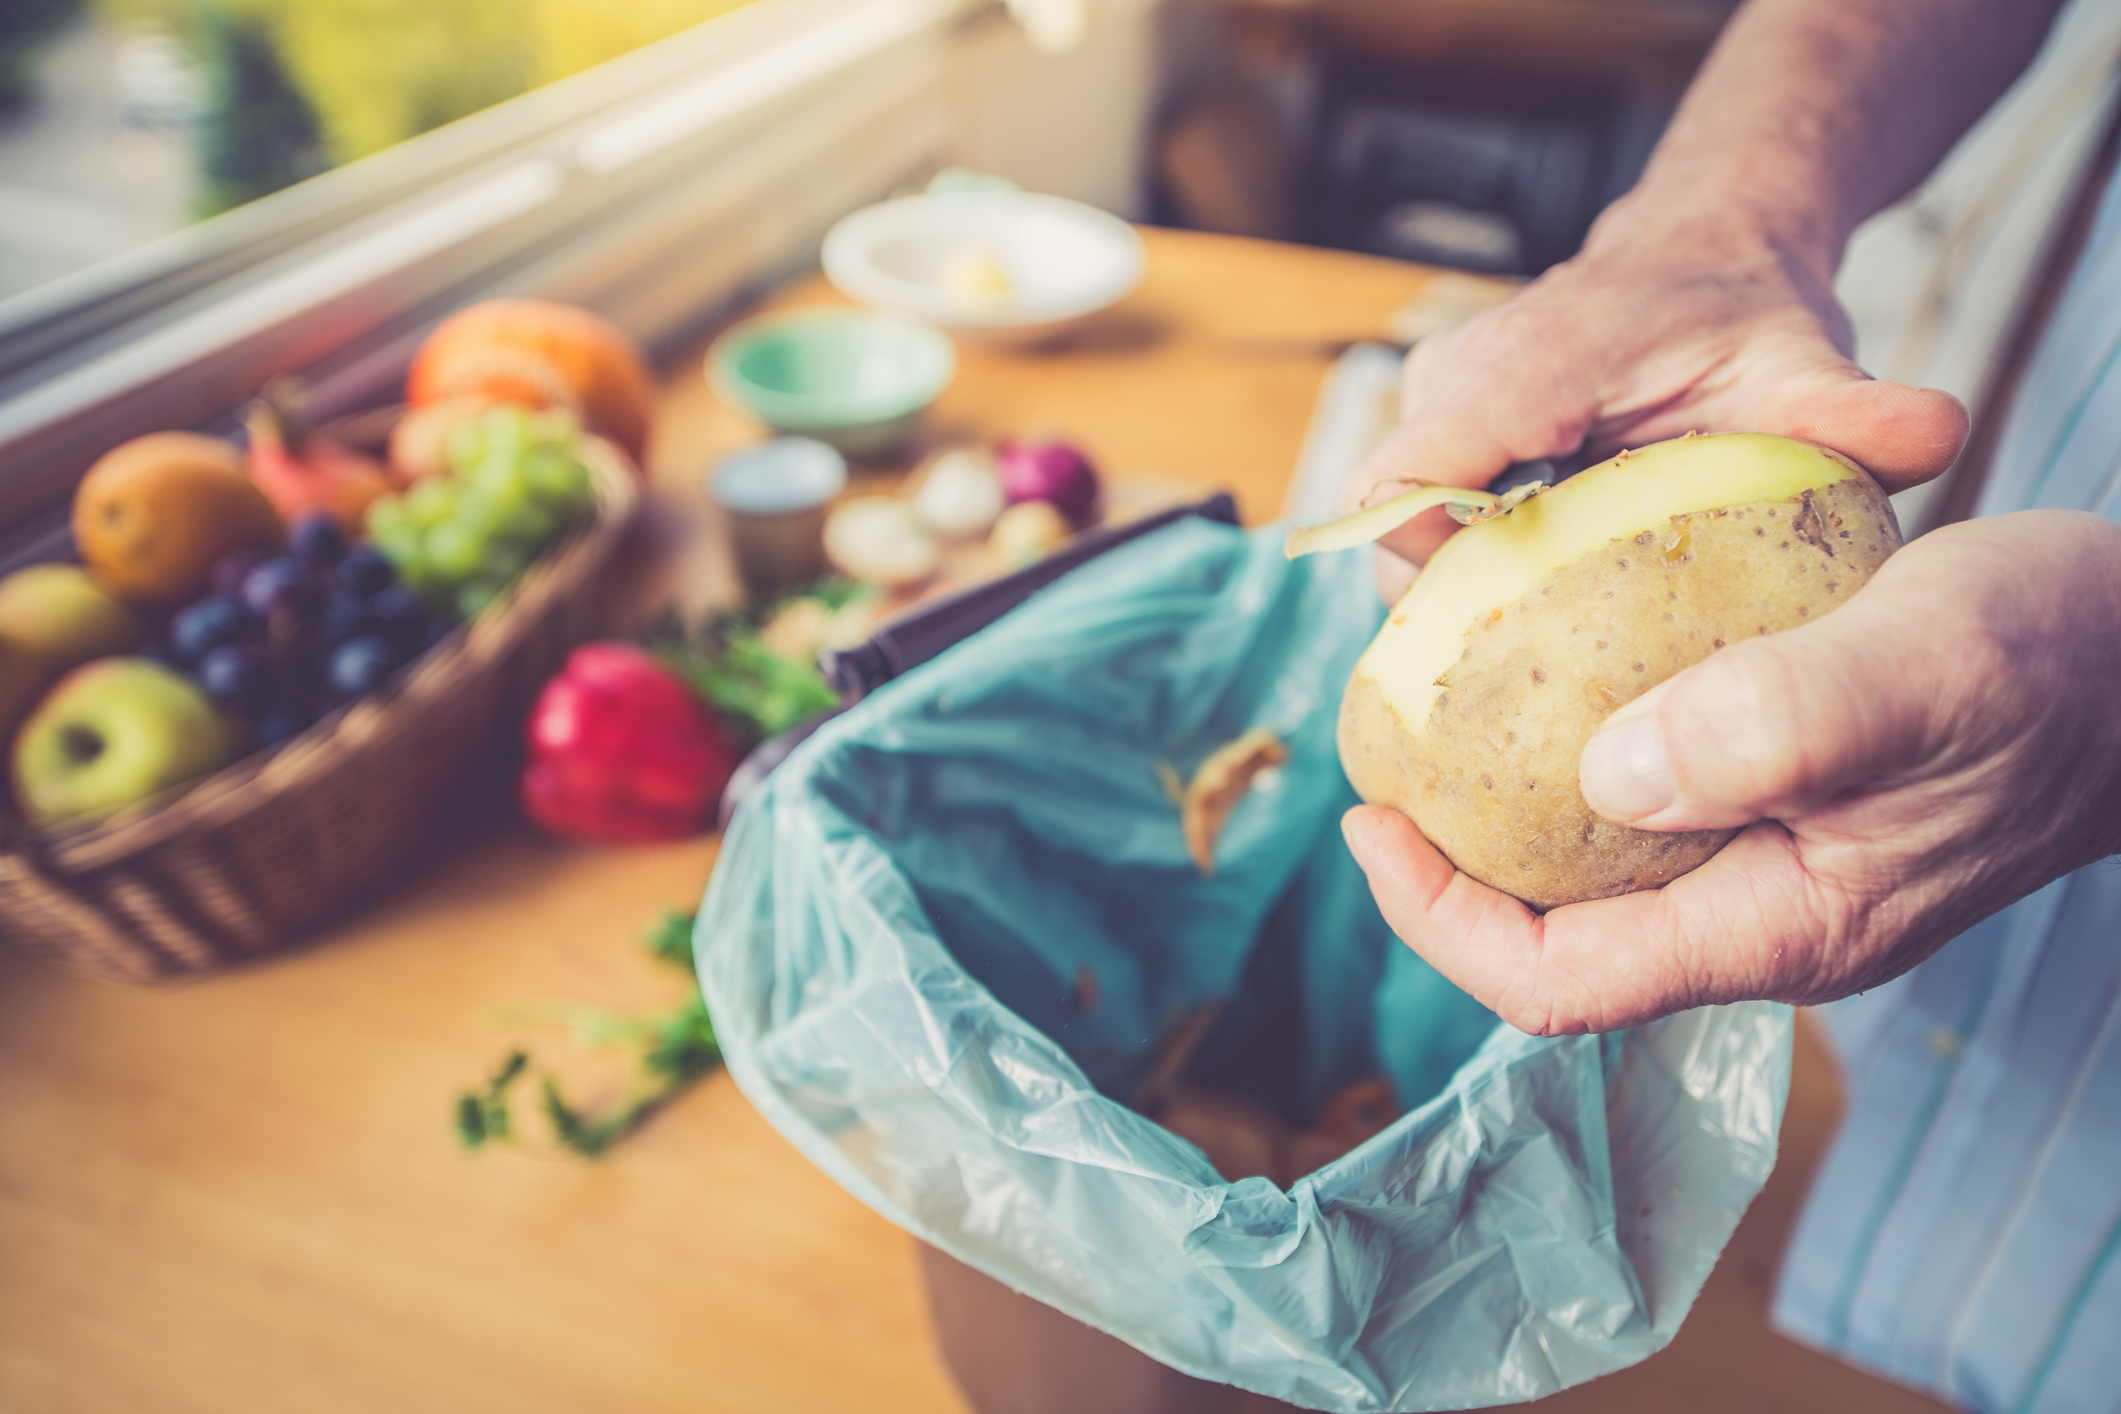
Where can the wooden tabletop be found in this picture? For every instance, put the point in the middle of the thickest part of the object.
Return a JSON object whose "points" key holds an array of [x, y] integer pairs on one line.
{"points": [[243, 1194]]}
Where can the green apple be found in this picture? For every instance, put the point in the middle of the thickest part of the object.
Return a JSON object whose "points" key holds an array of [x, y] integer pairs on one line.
{"points": [[114, 732]]}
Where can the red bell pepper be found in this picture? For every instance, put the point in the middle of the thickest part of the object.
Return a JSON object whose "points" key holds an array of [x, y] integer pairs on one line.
{"points": [[620, 750]]}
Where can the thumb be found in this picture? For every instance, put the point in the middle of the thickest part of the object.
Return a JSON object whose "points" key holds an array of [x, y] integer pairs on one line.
{"points": [[1767, 729], [1901, 435]]}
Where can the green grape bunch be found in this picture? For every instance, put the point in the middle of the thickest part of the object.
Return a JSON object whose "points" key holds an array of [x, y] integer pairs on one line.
{"points": [[516, 483]]}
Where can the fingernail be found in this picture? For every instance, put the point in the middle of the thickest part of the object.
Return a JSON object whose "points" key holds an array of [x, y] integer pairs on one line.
{"points": [[1625, 774], [1347, 832]]}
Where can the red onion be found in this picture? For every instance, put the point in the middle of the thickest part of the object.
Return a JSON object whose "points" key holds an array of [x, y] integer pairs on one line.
{"points": [[1051, 471]]}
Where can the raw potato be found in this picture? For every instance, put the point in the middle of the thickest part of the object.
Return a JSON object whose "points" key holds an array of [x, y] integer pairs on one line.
{"points": [[1471, 708]]}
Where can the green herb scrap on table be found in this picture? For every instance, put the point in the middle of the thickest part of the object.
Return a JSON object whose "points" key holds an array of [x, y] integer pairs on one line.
{"points": [[673, 1050], [758, 668]]}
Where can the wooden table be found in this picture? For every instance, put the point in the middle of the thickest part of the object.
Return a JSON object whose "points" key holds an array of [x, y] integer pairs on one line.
{"points": [[242, 1194]]}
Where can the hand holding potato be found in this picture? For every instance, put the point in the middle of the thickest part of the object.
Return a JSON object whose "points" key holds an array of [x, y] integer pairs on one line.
{"points": [[1647, 336], [1941, 745], [1934, 749], [1702, 300]]}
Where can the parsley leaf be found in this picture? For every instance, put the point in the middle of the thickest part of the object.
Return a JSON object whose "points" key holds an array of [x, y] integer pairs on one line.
{"points": [[674, 1050]]}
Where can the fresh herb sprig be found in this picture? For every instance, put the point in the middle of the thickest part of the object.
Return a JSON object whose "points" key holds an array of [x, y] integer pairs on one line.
{"points": [[730, 663], [482, 1115], [674, 1050], [748, 682]]}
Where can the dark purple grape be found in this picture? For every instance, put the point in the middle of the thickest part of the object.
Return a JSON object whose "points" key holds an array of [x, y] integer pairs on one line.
{"points": [[359, 667], [281, 585], [401, 615], [208, 624], [436, 632], [301, 667], [238, 676], [234, 567], [346, 615], [291, 634], [278, 724], [316, 539], [366, 571]]}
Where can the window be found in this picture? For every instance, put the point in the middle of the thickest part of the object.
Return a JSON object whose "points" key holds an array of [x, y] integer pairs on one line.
{"points": [[129, 119], [654, 187]]}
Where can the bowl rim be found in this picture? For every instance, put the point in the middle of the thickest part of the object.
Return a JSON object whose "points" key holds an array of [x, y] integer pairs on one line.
{"points": [[834, 462], [798, 412], [847, 262]]}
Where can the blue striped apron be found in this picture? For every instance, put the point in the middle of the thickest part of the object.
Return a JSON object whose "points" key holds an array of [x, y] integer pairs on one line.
{"points": [[1964, 1233]]}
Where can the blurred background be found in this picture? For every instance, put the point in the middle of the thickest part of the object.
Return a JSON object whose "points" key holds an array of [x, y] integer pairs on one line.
{"points": [[664, 160], [124, 120], [200, 199], [1480, 135]]}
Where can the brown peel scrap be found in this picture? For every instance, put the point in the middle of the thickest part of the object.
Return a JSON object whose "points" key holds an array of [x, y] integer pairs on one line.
{"points": [[1218, 785]]}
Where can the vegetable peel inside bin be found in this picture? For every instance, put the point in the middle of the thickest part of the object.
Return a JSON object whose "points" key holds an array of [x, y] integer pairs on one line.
{"points": [[893, 949]]}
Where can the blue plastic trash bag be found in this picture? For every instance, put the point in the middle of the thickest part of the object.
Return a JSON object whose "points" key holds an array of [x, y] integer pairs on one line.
{"points": [[895, 948]]}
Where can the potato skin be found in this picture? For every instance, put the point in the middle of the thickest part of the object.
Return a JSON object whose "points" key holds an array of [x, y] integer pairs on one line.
{"points": [[1490, 778]]}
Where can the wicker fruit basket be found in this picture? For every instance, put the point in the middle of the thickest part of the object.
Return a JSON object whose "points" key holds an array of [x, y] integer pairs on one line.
{"points": [[293, 837]]}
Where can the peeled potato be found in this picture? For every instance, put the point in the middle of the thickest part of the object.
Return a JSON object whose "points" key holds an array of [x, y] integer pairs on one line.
{"points": [[1470, 709]]}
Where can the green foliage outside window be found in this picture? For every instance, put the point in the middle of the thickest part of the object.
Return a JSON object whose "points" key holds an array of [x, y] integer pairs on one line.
{"points": [[259, 133], [352, 77], [24, 26]]}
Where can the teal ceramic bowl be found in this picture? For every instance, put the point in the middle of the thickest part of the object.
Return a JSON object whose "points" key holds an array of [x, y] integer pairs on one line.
{"points": [[852, 378]]}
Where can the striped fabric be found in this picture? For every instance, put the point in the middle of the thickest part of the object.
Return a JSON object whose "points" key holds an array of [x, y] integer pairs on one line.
{"points": [[1964, 1234]]}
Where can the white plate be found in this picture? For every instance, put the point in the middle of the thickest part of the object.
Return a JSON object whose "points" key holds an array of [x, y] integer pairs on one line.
{"points": [[1009, 265]]}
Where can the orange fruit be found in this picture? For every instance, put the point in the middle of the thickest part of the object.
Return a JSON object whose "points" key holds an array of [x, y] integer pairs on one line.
{"points": [[543, 354], [153, 516]]}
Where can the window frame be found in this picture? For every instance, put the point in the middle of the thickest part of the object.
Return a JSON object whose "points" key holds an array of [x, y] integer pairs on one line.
{"points": [[656, 188]]}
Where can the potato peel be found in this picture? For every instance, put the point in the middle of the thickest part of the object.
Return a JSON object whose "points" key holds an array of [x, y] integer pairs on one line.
{"points": [[1466, 505], [1222, 781]]}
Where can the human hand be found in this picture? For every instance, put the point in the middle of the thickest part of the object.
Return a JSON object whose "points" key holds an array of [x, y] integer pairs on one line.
{"points": [[1660, 327], [1944, 743]]}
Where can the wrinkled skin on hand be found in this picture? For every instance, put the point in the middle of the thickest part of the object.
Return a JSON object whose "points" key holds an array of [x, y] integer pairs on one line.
{"points": [[1634, 341], [1943, 744], [1940, 745]]}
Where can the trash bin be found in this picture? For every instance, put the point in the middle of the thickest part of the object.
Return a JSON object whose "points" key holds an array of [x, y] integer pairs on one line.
{"points": [[1013, 1355], [956, 945]]}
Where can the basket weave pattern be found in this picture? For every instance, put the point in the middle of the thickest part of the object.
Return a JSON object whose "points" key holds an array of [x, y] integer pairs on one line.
{"points": [[286, 840]]}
